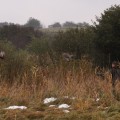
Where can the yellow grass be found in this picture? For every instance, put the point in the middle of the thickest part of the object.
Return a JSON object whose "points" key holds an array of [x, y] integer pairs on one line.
{"points": [[66, 79]]}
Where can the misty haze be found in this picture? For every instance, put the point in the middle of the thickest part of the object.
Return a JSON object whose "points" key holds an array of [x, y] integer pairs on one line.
{"points": [[60, 59]]}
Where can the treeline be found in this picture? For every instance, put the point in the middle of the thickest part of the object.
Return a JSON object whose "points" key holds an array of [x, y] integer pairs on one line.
{"points": [[99, 42], [69, 24], [36, 24]]}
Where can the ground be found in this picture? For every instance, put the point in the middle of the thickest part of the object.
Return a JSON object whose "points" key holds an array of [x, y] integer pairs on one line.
{"points": [[77, 109]]}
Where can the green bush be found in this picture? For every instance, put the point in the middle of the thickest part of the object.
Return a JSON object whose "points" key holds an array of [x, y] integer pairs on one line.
{"points": [[42, 50], [77, 41], [16, 62]]}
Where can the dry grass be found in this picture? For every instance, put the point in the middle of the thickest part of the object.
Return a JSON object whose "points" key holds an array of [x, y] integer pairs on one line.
{"points": [[66, 79]]}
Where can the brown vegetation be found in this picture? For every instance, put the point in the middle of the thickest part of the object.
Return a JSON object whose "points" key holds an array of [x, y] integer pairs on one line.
{"points": [[74, 79]]}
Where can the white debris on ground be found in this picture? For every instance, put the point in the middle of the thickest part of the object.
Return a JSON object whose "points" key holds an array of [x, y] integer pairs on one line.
{"points": [[66, 111], [97, 99], [106, 108], [63, 106], [16, 107], [52, 105], [48, 100], [102, 107]]}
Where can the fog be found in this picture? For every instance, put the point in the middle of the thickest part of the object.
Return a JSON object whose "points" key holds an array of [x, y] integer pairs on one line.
{"points": [[50, 11]]}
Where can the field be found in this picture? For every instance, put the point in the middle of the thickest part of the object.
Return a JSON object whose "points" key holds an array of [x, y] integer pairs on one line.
{"points": [[60, 73], [73, 83]]}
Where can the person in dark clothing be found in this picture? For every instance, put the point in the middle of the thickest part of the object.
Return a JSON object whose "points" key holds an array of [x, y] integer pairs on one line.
{"points": [[115, 71]]}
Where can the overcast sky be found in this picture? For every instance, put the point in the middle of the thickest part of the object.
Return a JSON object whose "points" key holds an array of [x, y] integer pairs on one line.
{"points": [[50, 11]]}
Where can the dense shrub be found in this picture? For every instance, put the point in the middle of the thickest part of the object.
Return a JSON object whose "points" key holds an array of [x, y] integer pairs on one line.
{"points": [[16, 62], [77, 41], [20, 36]]}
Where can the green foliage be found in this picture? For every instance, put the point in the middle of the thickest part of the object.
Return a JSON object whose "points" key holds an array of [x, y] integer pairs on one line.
{"points": [[75, 41], [39, 46], [32, 22], [107, 31], [15, 62], [20, 36], [69, 24], [7, 47], [55, 25], [101, 42], [83, 25]]}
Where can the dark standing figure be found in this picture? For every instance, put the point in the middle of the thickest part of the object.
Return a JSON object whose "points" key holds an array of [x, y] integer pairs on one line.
{"points": [[115, 71]]}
